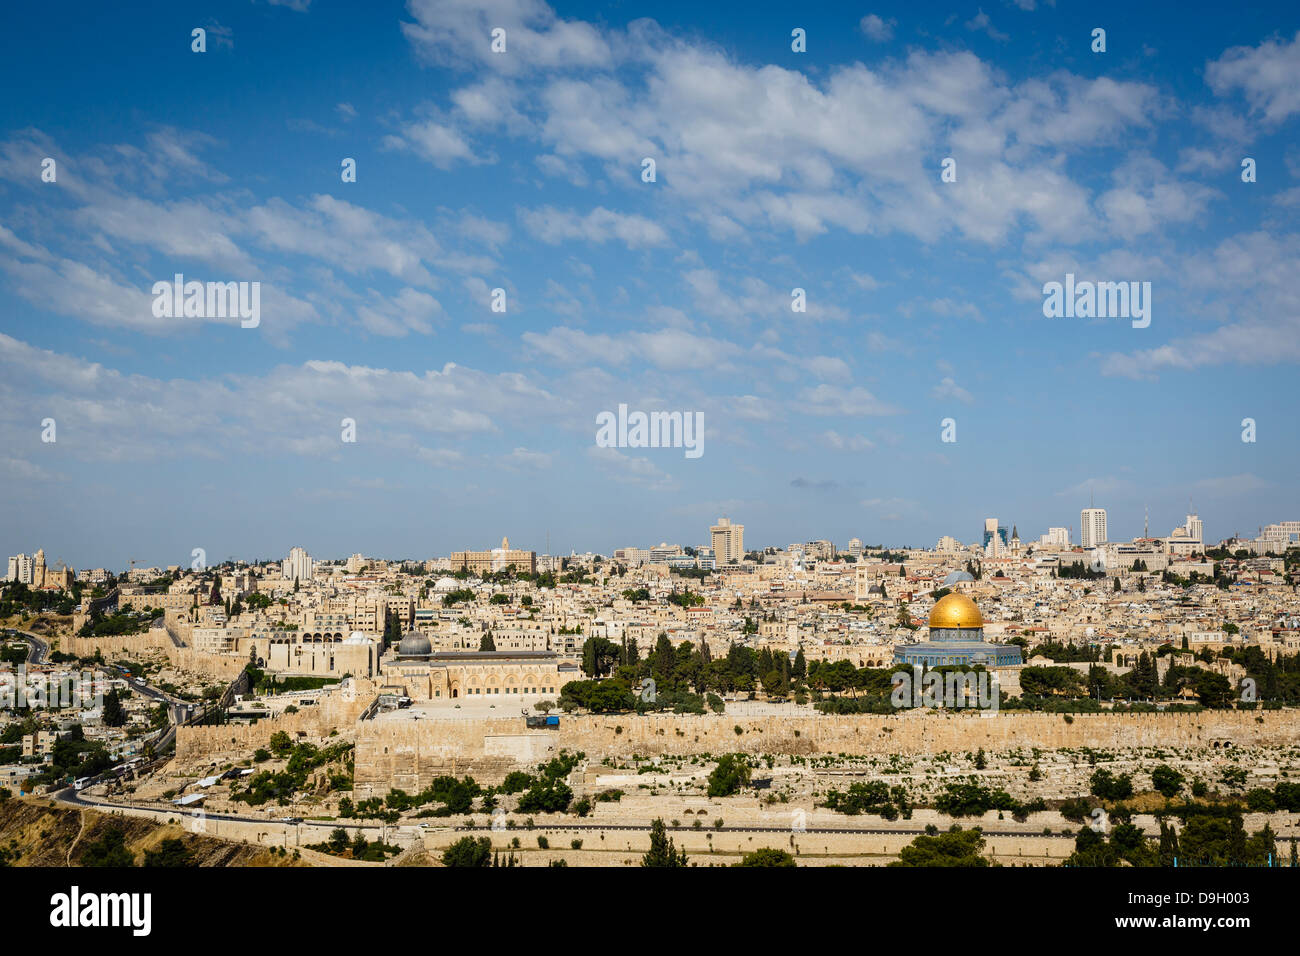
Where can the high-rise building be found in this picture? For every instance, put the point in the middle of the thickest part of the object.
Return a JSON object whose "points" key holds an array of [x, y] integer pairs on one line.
{"points": [[298, 566], [1056, 537], [1195, 528], [995, 537], [992, 529], [1092, 527], [20, 569], [728, 542]]}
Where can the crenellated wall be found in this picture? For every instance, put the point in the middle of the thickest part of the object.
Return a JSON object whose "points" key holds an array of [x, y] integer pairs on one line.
{"points": [[408, 753]]}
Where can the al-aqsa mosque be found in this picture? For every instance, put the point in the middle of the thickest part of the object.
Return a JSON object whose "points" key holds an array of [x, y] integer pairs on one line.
{"points": [[957, 637]]}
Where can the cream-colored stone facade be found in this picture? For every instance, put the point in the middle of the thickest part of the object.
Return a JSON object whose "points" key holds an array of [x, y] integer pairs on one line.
{"points": [[449, 676]]}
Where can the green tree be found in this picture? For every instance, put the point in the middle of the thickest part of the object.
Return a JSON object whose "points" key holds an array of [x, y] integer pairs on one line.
{"points": [[1166, 780], [170, 852], [729, 776], [599, 656], [800, 669], [662, 851], [468, 851], [957, 847], [114, 715], [766, 857], [109, 850]]}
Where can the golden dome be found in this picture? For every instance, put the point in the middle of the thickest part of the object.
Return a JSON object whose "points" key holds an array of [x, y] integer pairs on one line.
{"points": [[956, 610]]}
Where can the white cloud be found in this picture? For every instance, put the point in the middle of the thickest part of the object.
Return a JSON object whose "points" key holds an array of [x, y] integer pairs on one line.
{"points": [[435, 142], [876, 28], [524, 459], [981, 23], [836, 400], [630, 469], [1268, 76], [553, 226], [948, 388], [835, 440], [459, 33]]}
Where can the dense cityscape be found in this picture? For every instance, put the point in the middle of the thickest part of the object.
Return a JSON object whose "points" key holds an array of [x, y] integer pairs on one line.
{"points": [[574, 436], [334, 668]]}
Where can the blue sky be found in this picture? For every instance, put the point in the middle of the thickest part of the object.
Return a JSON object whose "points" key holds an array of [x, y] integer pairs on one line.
{"points": [[522, 171]]}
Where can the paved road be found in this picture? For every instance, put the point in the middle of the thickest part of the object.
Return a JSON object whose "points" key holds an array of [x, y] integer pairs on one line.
{"points": [[857, 831], [38, 651], [74, 798]]}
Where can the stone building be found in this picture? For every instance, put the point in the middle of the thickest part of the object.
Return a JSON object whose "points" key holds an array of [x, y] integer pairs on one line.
{"points": [[430, 675]]}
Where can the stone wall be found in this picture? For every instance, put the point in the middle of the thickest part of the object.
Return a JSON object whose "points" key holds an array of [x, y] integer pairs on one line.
{"points": [[409, 753], [227, 742], [152, 640], [217, 666]]}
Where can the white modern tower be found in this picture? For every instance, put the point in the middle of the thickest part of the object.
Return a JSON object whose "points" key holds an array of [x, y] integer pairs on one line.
{"points": [[1092, 527]]}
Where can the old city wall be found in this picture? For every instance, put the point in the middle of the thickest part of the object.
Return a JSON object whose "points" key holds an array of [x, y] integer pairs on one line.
{"points": [[408, 753], [110, 647], [334, 715], [212, 665], [217, 666]]}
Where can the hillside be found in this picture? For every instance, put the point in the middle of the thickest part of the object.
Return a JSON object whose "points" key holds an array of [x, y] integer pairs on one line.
{"points": [[37, 833]]}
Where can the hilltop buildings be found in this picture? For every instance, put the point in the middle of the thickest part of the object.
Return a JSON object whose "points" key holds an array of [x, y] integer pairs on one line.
{"points": [[497, 559], [33, 571]]}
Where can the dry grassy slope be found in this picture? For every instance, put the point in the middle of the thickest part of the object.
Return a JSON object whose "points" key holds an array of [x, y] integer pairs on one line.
{"points": [[43, 834]]}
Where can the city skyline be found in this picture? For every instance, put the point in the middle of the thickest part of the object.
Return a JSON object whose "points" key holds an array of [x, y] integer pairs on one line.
{"points": [[381, 403], [297, 553]]}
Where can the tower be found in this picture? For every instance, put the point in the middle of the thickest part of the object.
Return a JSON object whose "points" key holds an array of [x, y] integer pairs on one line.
{"points": [[1092, 527], [728, 542]]}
